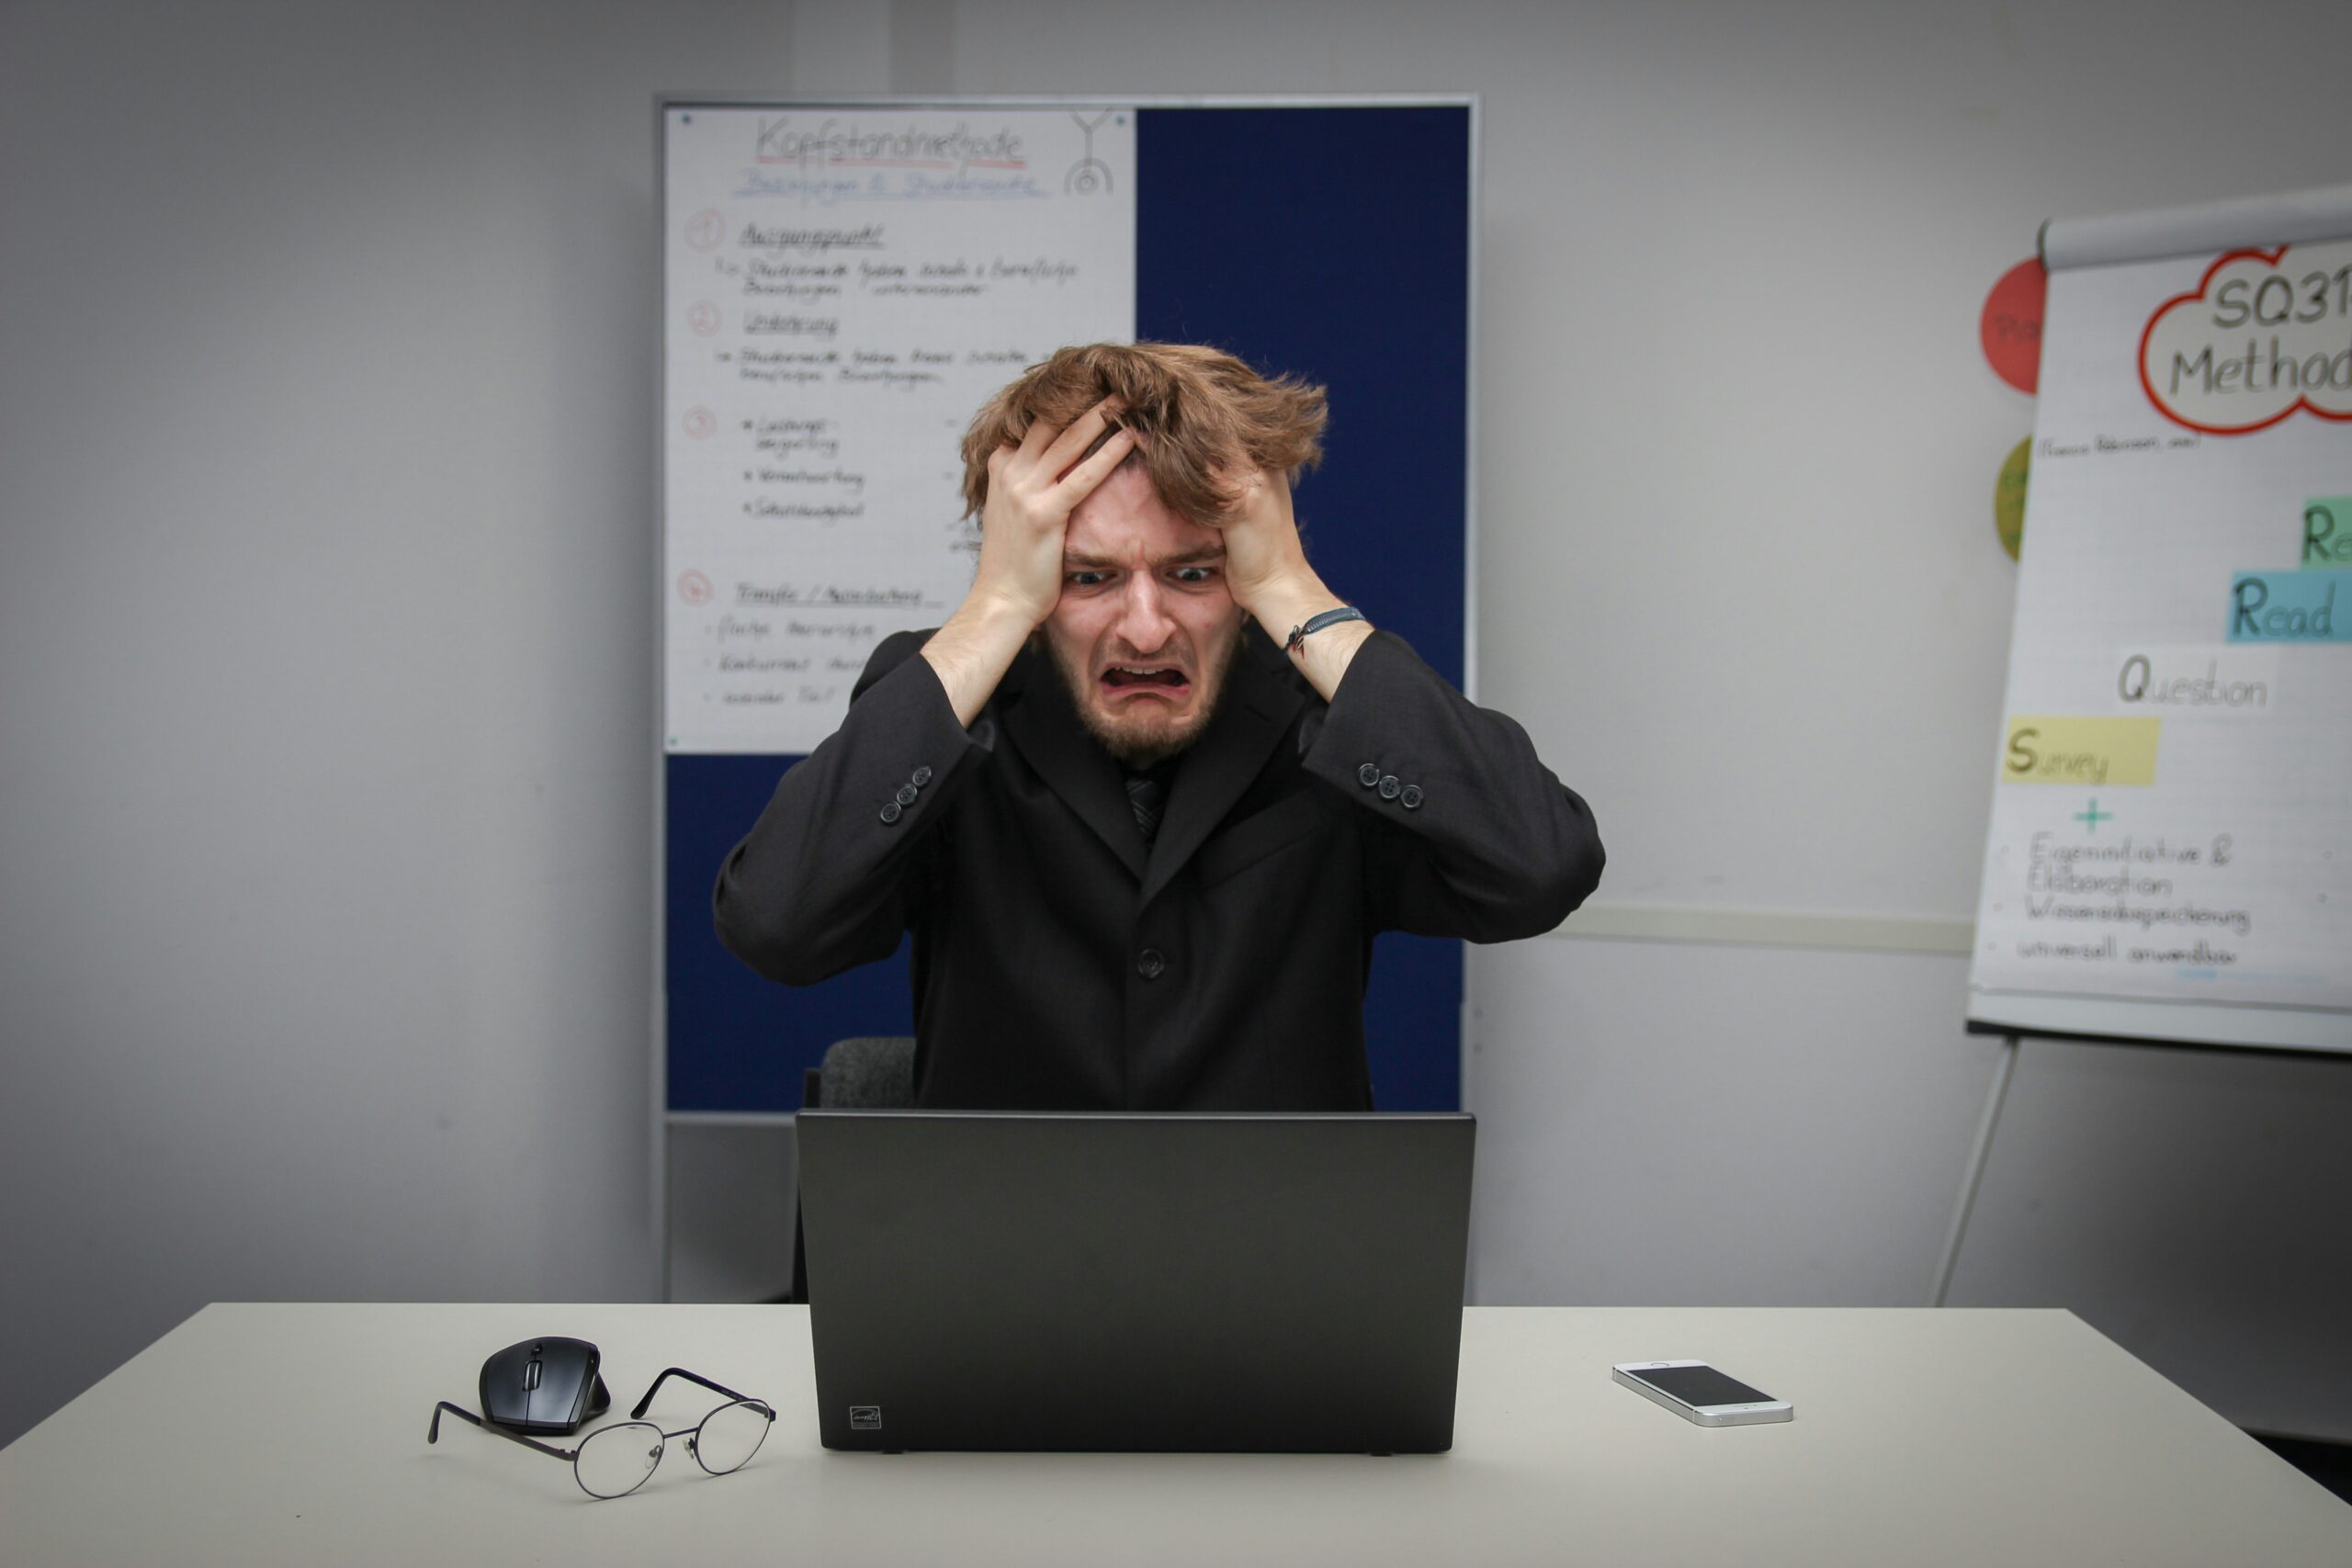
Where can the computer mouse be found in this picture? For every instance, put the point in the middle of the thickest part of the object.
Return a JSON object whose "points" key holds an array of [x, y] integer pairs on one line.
{"points": [[546, 1386]]}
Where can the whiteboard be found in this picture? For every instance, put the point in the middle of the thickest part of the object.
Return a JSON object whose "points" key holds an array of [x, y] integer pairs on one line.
{"points": [[1378, 204], [2170, 853], [842, 288]]}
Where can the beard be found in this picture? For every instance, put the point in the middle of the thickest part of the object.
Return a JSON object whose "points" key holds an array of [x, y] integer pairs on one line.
{"points": [[1148, 733]]}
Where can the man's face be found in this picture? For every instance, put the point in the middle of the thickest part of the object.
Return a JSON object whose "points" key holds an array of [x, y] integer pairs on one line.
{"points": [[1146, 627]]}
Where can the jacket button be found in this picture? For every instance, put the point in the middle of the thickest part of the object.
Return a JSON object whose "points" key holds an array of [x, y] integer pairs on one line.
{"points": [[1150, 964], [1368, 775], [906, 796], [922, 777], [1388, 787], [1412, 799], [893, 811]]}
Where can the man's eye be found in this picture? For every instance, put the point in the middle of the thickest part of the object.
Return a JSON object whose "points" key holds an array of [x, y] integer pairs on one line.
{"points": [[1085, 579], [1195, 573]]}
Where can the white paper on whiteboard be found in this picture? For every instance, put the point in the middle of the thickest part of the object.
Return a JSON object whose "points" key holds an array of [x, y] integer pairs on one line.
{"points": [[843, 289]]}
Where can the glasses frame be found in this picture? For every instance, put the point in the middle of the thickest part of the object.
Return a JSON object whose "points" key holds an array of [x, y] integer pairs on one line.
{"points": [[571, 1455]]}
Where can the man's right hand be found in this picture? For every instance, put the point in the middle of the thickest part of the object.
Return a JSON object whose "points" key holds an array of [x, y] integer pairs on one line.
{"points": [[1033, 489]]}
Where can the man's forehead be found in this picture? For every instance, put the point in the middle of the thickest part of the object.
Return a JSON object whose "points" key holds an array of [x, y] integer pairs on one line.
{"points": [[1124, 520], [1132, 551]]}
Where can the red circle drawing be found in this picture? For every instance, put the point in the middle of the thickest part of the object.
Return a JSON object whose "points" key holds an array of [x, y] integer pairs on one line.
{"points": [[2010, 327], [693, 588], [700, 422], [704, 318], [706, 228]]}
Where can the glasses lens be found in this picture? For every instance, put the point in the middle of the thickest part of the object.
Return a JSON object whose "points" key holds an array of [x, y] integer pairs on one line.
{"points": [[731, 1434], [614, 1460]]}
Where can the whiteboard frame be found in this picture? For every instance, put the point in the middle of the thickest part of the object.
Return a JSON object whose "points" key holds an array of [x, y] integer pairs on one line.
{"points": [[663, 1119], [2118, 238], [2133, 1021]]}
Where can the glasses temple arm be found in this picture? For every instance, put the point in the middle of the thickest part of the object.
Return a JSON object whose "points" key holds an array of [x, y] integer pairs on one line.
{"points": [[669, 1373], [433, 1433]]}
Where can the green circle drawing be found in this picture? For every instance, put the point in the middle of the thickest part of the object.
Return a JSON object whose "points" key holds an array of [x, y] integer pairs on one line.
{"points": [[2009, 497]]}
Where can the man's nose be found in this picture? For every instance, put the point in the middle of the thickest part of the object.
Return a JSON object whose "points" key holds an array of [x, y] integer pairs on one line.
{"points": [[1144, 623]]}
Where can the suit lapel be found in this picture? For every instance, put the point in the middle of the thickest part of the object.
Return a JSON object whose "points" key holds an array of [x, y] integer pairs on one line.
{"points": [[1072, 762], [1255, 715]]}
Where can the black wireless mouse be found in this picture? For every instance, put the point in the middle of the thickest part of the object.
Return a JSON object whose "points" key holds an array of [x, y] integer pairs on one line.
{"points": [[548, 1386]]}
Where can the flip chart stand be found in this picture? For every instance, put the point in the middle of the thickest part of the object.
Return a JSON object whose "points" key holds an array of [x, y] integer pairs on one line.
{"points": [[1973, 1175]]}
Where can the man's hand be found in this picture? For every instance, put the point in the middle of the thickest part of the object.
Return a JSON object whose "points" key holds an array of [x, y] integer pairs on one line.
{"points": [[1033, 489], [1265, 567], [1263, 559]]}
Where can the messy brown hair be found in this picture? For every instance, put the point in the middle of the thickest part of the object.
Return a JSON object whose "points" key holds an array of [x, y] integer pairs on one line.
{"points": [[1202, 418]]}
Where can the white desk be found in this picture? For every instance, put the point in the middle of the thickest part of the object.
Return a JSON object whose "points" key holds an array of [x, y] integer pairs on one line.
{"points": [[294, 1434]]}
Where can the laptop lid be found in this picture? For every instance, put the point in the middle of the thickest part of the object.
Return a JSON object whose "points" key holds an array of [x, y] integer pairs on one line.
{"points": [[1191, 1282]]}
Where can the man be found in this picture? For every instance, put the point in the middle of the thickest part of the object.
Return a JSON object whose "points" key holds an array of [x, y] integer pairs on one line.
{"points": [[1148, 796]]}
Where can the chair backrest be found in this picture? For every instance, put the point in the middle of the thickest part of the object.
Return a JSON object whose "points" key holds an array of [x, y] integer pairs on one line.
{"points": [[865, 1072], [868, 1072]]}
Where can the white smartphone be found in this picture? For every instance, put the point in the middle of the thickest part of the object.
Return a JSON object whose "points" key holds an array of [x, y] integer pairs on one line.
{"points": [[1696, 1391]]}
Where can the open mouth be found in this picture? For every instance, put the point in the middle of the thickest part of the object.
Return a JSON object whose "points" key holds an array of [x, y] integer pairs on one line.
{"points": [[1146, 679]]}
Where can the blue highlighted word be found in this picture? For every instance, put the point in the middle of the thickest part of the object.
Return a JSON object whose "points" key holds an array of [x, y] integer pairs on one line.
{"points": [[2286, 607]]}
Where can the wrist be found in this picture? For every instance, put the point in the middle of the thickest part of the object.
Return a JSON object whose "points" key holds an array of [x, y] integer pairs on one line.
{"points": [[1324, 655], [973, 650], [1324, 620], [1291, 603], [998, 615]]}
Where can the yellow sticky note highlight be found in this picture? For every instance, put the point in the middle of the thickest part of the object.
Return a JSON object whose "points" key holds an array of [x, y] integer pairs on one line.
{"points": [[2067, 751]]}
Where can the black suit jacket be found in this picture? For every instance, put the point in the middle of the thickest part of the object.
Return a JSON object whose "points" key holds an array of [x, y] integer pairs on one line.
{"points": [[1061, 963]]}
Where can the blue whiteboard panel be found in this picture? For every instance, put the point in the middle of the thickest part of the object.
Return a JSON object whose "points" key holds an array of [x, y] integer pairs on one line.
{"points": [[1335, 243], [1341, 255], [737, 1042]]}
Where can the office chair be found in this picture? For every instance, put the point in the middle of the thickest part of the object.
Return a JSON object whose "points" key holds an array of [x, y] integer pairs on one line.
{"points": [[865, 1072]]}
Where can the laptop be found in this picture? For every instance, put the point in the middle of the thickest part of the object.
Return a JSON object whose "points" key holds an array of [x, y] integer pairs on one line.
{"points": [[1131, 1282]]}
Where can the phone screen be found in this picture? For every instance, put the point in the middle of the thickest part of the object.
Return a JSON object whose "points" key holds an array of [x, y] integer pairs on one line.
{"points": [[1701, 1385]]}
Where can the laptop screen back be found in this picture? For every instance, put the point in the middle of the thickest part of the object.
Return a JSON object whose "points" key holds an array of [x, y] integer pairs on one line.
{"points": [[1068, 1281]]}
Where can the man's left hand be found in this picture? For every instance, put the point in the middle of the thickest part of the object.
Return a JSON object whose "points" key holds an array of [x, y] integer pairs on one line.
{"points": [[1266, 571], [1263, 559]]}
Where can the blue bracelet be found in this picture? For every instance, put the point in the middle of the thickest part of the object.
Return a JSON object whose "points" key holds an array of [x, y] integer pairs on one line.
{"points": [[1313, 624]]}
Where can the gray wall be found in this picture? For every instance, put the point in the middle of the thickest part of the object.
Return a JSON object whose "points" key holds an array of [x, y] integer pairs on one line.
{"points": [[326, 373], [326, 644]]}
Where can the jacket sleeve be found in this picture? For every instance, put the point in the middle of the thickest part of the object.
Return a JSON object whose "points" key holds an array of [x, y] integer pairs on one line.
{"points": [[828, 878], [1470, 834]]}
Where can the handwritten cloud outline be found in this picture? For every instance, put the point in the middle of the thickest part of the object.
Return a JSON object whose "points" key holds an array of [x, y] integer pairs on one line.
{"points": [[2273, 263]]}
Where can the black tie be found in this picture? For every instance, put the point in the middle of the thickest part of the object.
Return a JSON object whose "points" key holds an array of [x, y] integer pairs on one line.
{"points": [[1148, 798]]}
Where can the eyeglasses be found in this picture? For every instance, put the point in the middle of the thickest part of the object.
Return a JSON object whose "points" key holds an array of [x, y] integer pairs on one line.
{"points": [[613, 1461]]}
